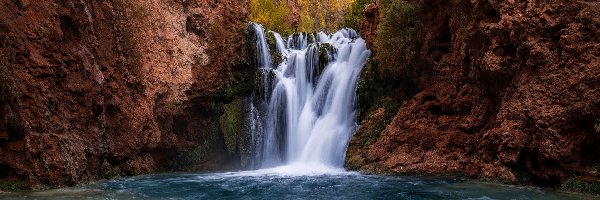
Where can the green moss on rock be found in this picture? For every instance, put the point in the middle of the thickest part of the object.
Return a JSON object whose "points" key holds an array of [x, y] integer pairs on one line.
{"points": [[387, 80], [12, 185], [107, 171], [242, 69], [377, 107], [230, 123], [580, 185], [197, 158], [276, 57], [379, 102], [325, 50], [271, 41], [374, 91]]}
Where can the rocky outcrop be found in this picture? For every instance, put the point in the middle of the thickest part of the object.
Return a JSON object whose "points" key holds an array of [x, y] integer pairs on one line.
{"points": [[508, 90], [369, 22], [94, 89]]}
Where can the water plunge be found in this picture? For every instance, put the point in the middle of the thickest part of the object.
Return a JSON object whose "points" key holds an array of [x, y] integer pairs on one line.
{"points": [[306, 112]]}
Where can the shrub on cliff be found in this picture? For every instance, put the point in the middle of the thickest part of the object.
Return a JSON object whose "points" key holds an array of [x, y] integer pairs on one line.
{"points": [[395, 65], [355, 14], [398, 39]]}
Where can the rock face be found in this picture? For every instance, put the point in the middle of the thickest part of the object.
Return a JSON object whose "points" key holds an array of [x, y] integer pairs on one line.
{"points": [[368, 26], [509, 91], [93, 89]]}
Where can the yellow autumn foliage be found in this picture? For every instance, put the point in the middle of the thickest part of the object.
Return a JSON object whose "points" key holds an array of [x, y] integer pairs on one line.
{"points": [[312, 15]]}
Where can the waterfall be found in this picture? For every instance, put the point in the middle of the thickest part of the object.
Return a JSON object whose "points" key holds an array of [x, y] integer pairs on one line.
{"points": [[307, 107]]}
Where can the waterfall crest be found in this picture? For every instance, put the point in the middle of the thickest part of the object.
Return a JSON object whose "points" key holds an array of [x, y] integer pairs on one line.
{"points": [[306, 113]]}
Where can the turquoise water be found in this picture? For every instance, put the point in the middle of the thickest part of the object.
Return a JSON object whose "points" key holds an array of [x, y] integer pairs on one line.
{"points": [[272, 184]]}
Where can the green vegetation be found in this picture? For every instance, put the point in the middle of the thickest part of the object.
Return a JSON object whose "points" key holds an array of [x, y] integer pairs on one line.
{"points": [[12, 185], [243, 85], [243, 70], [378, 104], [580, 185], [300, 15], [271, 14], [597, 126], [393, 75], [521, 176], [276, 57], [355, 14], [372, 132], [398, 40], [193, 157], [374, 93], [325, 50], [369, 86], [198, 156], [316, 15], [230, 124], [107, 171], [388, 79]]}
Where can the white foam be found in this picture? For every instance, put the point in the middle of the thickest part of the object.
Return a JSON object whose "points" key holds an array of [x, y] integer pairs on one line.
{"points": [[310, 112], [292, 170]]}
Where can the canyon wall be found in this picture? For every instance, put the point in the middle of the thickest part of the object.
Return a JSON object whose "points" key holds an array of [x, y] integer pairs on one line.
{"points": [[96, 89], [498, 90]]}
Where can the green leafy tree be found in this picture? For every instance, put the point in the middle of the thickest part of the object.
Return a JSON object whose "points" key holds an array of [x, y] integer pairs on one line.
{"points": [[355, 14], [314, 15], [272, 14], [398, 39]]}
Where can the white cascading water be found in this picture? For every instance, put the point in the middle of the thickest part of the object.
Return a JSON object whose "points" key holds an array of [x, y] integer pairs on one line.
{"points": [[308, 114]]}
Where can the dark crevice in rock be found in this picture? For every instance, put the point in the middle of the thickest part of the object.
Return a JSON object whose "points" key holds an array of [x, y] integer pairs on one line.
{"points": [[487, 11], [195, 24], [444, 37], [436, 110], [70, 28]]}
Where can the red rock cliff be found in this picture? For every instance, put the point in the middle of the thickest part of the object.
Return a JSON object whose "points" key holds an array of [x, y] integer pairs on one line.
{"points": [[93, 89], [508, 90]]}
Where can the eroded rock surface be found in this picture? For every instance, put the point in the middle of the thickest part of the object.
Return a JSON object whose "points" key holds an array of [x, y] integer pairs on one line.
{"points": [[103, 88], [509, 90]]}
